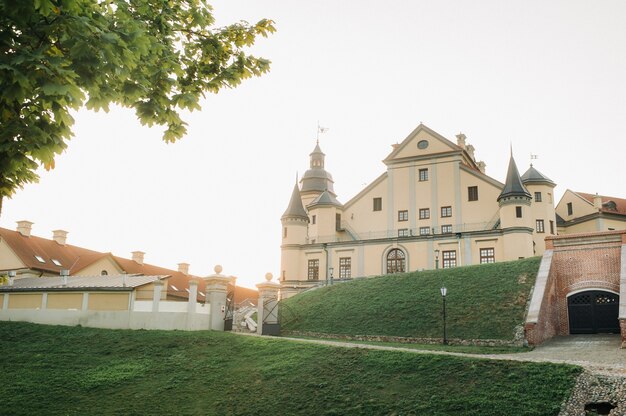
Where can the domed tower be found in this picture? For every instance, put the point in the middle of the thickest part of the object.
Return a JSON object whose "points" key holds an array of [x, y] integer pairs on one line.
{"points": [[295, 223], [542, 207], [316, 180], [516, 218]]}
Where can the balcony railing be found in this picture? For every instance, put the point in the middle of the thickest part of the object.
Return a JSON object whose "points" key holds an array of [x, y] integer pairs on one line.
{"points": [[348, 234]]}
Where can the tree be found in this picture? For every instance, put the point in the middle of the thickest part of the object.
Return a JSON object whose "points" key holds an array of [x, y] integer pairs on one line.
{"points": [[155, 56]]}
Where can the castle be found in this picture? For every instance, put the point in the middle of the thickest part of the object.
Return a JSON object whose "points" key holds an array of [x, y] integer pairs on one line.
{"points": [[434, 207]]}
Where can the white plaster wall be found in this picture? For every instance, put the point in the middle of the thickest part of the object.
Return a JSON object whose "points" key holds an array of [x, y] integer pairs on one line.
{"points": [[111, 320]]}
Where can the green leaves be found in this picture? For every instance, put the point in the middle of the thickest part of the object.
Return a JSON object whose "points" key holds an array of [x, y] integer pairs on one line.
{"points": [[155, 57]]}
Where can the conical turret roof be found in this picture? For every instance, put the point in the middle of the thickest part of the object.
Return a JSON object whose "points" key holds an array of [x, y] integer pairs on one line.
{"points": [[513, 185], [295, 208], [533, 176], [325, 198]]}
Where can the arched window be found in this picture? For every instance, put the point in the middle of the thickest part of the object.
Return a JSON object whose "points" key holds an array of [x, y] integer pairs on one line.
{"points": [[104, 273], [396, 261]]}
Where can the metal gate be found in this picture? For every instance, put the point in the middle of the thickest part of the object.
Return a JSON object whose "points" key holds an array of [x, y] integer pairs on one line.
{"points": [[593, 312], [229, 309]]}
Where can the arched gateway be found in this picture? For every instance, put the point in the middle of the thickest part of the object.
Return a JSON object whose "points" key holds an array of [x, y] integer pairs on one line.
{"points": [[593, 312]]}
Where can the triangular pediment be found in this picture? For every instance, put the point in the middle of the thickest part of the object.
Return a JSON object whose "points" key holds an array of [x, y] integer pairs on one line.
{"points": [[421, 143]]}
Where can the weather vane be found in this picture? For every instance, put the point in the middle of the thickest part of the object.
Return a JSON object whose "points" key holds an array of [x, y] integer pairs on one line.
{"points": [[320, 130]]}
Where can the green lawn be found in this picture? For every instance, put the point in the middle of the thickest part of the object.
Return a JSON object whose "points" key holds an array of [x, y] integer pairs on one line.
{"points": [[483, 302], [53, 370]]}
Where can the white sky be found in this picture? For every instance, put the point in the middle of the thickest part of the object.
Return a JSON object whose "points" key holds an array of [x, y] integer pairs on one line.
{"points": [[548, 77]]}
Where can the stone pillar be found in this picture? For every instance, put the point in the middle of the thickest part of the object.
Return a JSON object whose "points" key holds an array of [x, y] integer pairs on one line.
{"points": [[193, 296], [216, 290], [267, 315], [156, 297]]}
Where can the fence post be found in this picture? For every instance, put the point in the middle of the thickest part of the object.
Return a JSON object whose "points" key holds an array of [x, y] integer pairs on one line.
{"points": [[216, 287], [193, 296], [156, 297], [267, 315]]}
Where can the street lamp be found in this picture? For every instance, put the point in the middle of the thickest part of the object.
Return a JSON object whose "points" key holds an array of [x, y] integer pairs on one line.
{"points": [[436, 259], [330, 272], [444, 291]]}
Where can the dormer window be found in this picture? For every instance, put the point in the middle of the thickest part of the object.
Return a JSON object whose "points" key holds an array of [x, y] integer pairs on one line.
{"points": [[39, 259], [56, 262]]}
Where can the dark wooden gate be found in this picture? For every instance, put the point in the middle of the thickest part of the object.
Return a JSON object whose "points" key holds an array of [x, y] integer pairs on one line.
{"points": [[230, 308], [593, 312]]}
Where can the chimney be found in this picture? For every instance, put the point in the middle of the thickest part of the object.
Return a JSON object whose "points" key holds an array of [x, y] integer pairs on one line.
{"points": [[64, 274], [183, 268], [470, 151], [138, 257], [481, 166], [60, 236], [12, 274], [24, 227], [597, 202], [460, 140]]}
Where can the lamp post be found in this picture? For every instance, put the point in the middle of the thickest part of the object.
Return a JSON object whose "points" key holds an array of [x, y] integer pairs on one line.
{"points": [[444, 291], [436, 259], [330, 272]]}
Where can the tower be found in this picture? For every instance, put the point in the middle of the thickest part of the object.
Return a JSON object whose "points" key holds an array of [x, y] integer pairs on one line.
{"points": [[295, 223], [516, 216], [542, 209], [316, 179]]}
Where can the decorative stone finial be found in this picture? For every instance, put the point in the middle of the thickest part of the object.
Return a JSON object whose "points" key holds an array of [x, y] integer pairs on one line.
{"points": [[217, 269], [269, 276]]}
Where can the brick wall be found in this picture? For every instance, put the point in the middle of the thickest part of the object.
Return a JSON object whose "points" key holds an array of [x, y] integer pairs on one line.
{"points": [[580, 262]]}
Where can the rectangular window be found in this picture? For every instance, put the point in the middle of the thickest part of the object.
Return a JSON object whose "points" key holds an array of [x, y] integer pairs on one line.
{"points": [[518, 212], [549, 197], [487, 255], [537, 196], [424, 213], [449, 259], [539, 227], [446, 212], [446, 229], [337, 222], [423, 175], [285, 232], [314, 269], [570, 208], [472, 193], [283, 276], [403, 232], [345, 266], [378, 204], [403, 215], [313, 219], [551, 227], [424, 230]]}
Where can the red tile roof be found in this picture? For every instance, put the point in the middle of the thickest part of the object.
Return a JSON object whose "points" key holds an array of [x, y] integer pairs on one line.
{"points": [[77, 258], [609, 203], [26, 248]]}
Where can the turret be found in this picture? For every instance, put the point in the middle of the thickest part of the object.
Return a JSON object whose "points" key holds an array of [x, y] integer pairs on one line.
{"points": [[543, 213], [325, 213], [295, 223], [516, 218], [316, 180]]}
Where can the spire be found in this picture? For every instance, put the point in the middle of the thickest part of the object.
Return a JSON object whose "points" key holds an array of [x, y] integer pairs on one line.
{"points": [[295, 209], [513, 185]]}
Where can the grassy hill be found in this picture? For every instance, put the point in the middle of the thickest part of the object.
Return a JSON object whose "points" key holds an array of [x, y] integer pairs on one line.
{"points": [[483, 302], [56, 370]]}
